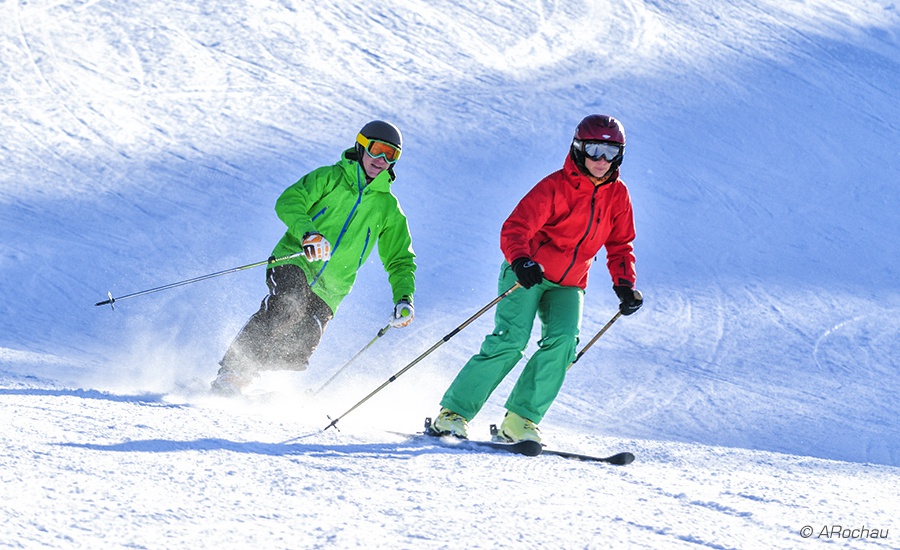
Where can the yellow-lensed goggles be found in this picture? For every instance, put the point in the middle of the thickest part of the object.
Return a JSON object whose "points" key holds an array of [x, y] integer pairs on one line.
{"points": [[377, 148]]}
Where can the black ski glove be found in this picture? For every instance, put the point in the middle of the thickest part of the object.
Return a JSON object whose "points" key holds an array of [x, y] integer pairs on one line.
{"points": [[528, 272], [630, 299]]}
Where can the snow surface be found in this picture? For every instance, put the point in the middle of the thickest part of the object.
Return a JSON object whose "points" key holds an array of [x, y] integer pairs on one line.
{"points": [[145, 143]]}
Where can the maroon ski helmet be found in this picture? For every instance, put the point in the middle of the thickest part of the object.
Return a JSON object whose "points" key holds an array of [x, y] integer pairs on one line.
{"points": [[599, 128]]}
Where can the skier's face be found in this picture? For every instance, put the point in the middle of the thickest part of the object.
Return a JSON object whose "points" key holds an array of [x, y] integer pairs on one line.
{"points": [[374, 166], [597, 168]]}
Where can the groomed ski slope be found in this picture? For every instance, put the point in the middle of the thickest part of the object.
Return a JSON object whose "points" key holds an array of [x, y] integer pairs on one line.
{"points": [[145, 143], [99, 470]]}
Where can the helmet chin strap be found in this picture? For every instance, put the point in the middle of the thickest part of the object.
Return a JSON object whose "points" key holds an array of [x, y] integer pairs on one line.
{"points": [[360, 153], [578, 157]]}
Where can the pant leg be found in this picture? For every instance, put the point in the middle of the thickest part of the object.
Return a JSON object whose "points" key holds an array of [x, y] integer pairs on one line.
{"points": [[560, 312], [246, 352], [298, 320], [500, 351], [285, 330]]}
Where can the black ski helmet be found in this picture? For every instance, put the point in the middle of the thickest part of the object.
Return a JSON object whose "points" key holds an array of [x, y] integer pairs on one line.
{"points": [[382, 131], [601, 128]]}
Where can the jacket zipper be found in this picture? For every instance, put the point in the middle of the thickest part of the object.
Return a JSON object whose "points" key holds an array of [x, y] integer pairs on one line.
{"points": [[359, 190], [365, 247], [587, 231]]}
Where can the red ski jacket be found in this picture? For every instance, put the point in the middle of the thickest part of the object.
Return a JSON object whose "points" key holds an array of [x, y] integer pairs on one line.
{"points": [[564, 221]]}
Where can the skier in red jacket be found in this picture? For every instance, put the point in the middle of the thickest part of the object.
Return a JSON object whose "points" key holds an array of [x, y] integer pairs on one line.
{"points": [[549, 242]]}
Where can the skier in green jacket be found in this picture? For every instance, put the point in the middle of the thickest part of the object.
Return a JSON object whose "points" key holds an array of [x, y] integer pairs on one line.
{"points": [[336, 215]]}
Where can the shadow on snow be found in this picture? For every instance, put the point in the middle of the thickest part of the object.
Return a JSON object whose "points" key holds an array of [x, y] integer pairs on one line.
{"points": [[406, 449]]}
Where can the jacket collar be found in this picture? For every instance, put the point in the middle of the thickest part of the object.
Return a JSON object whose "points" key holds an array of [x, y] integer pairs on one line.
{"points": [[353, 167], [579, 179]]}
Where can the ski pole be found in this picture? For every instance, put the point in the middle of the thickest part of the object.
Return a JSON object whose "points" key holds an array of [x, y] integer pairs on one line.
{"points": [[440, 342], [272, 261], [594, 339], [637, 295], [347, 364]]}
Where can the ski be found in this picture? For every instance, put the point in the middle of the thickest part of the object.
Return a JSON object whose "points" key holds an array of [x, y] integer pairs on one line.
{"points": [[526, 448], [618, 459]]}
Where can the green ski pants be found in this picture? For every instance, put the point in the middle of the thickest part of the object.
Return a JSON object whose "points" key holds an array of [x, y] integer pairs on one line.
{"points": [[559, 309]]}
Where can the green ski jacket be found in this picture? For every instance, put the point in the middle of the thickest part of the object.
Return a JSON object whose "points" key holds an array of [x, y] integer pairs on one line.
{"points": [[336, 202]]}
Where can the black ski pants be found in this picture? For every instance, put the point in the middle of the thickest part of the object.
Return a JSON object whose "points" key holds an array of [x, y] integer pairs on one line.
{"points": [[285, 331]]}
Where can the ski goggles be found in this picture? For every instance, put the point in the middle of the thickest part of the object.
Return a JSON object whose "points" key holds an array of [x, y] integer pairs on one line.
{"points": [[595, 150], [377, 148]]}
